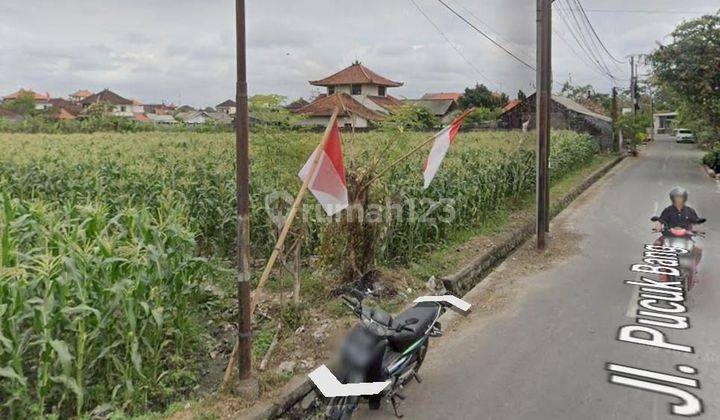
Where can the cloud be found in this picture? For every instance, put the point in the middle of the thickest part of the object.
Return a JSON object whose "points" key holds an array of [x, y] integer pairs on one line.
{"points": [[184, 50]]}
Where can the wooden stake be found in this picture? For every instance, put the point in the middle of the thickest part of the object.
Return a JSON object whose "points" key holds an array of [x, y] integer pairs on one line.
{"points": [[291, 216], [278, 246]]}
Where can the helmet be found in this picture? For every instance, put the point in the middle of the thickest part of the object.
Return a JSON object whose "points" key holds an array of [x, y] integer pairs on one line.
{"points": [[679, 192]]}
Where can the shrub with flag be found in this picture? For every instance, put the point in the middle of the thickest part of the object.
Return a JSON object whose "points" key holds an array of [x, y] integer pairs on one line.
{"points": [[327, 182], [442, 142]]}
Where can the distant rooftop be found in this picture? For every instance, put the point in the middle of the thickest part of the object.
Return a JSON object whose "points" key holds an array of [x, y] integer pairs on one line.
{"points": [[356, 73]]}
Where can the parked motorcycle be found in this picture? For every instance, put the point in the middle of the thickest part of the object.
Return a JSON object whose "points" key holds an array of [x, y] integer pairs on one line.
{"points": [[381, 348], [682, 238]]}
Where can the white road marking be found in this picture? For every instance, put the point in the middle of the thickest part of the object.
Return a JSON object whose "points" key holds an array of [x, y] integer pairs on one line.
{"points": [[329, 385]]}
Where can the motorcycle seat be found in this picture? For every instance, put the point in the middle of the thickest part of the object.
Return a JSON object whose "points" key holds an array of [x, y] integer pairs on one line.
{"points": [[425, 313]]}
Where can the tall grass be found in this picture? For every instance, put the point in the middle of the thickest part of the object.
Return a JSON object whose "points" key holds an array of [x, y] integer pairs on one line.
{"points": [[95, 307]]}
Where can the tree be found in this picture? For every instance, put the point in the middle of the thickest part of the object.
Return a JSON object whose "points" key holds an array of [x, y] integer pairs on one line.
{"points": [[689, 67], [24, 104], [266, 111], [521, 96], [481, 96], [587, 96], [410, 117]]}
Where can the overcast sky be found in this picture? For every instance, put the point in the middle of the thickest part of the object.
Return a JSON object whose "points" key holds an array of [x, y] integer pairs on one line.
{"points": [[182, 51]]}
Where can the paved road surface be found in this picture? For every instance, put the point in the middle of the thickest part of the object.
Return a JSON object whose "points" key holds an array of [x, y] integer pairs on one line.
{"points": [[543, 355]]}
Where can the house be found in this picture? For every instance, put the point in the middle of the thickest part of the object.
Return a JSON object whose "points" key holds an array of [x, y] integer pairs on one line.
{"points": [[662, 121], [62, 109], [228, 107], [6, 114], [159, 109], [161, 119], [41, 100], [445, 109], [79, 95], [196, 118], [565, 114], [442, 96], [297, 104], [359, 93], [119, 106]]}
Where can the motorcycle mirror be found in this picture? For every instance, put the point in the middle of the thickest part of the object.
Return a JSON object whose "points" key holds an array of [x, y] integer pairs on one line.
{"points": [[701, 220], [654, 219]]}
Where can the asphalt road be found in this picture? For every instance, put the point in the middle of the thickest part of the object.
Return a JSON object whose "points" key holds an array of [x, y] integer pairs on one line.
{"points": [[543, 354]]}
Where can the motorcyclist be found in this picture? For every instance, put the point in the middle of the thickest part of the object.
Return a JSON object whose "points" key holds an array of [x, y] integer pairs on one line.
{"points": [[679, 215]]}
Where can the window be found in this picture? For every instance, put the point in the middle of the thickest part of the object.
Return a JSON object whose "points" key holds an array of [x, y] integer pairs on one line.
{"points": [[331, 90], [356, 89], [382, 90]]}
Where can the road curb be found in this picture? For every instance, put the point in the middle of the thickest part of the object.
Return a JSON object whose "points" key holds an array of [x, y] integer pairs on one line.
{"points": [[296, 399], [460, 282]]}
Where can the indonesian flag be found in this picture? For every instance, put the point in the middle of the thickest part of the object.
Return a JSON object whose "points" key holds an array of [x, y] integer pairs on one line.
{"points": [[442, 143], [328, 183]]}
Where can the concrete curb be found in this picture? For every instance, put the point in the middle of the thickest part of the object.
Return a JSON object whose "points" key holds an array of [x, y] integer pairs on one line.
{"points": [[467, 277], [711, 173], [298, 395]]}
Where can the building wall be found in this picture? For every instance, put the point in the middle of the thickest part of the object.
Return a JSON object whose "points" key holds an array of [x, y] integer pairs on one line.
{"points": [[367, 89], [358, 122]]}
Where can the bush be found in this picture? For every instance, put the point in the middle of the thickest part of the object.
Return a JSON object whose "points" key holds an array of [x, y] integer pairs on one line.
{"points": [[712, 159]]}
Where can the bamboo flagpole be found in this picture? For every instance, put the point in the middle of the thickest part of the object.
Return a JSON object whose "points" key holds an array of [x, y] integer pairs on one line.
{"points": [[414, 149], [280, 242], [293, 212]]}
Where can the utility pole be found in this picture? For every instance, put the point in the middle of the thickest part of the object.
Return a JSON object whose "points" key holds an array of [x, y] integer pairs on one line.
{"points": [[614, 116], [542, 118], [242, 175]]}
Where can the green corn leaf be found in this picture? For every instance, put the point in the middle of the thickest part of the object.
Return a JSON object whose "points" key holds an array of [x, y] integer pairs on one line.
{"points": [[61, 349]]}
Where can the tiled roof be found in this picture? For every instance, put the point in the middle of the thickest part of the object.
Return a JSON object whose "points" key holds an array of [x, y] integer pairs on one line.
{"points": [[386, 102], [107, 96], [37, 96], [82, 93], [71, 107], [299, 103], [141, 117], [226, 104], [455, 96], [63, 114], [355, 74], [512, 103], [9, 115], [324, 106]]}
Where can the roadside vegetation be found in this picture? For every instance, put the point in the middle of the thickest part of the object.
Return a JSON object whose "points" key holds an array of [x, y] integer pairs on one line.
{"points": [[115, 250]]}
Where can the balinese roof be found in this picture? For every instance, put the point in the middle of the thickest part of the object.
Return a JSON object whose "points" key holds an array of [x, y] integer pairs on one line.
{"points": [[82, 93], [324, 107], [37, 96], [356, 73], [226, 104], [455, 96], [106, 96], [387, 102], [436, 107]]}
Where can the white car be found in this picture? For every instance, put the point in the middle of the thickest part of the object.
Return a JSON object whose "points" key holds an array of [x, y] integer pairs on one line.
{"points": [[683, 135]]}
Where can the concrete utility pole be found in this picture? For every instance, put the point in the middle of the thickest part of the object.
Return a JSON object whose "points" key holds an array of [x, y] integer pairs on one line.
{"points": [[542, 117], [243, 206], [614, 115]]}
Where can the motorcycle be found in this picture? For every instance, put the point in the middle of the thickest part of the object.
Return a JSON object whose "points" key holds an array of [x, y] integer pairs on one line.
{"points": [[680, 237], [381, 348]]}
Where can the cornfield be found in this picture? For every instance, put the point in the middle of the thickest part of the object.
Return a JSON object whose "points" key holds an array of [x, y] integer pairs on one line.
{"points": [[105, 241]]}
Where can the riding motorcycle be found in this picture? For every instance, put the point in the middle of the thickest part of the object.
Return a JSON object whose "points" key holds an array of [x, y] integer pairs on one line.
{"points": [[382, 348], [680, 237]]}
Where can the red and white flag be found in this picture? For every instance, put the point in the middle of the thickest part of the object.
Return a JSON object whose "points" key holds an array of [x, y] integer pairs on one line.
{"points": [[442, 143], [328, 183]]}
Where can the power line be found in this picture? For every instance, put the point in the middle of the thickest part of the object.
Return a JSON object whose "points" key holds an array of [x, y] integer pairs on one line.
{"points": [[510, 53], [596, 34], [452, 44]]}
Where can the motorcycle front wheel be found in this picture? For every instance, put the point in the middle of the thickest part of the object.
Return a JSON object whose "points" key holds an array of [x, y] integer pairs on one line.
{"points": [[341, 408]]}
